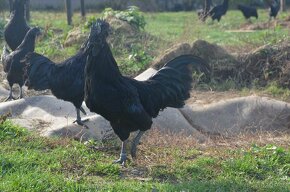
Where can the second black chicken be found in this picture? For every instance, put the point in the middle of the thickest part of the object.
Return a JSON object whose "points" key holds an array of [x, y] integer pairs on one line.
{"points": [[65, 79]]}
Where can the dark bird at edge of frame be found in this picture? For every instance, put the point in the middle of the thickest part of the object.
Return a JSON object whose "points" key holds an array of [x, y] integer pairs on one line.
{"points": [[13, 63]]}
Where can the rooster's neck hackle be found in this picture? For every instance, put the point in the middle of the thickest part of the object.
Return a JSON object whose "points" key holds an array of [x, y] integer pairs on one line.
{"points": [[103, 65], [29, 42]]}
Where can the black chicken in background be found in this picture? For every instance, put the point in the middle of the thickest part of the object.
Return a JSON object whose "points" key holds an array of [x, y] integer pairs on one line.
{"points": [[65, 79], [274, 8], [218, 11], [129, 105], [16, 29], [248, 11], [13, 63]]}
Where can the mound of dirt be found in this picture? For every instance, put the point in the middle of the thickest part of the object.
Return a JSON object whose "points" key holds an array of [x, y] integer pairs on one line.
{"points": [[119, 30], [122, 27], [265, 64], [75, 36], [261, 66], [222, 63], [171, 53]]}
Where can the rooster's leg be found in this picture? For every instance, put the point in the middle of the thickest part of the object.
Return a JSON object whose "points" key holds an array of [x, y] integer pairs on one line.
{"points": [[123, 154], [135, 143], [79, 121], [21, 92], [10, 97]]}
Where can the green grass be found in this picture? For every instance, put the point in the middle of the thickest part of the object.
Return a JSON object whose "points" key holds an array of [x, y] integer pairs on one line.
{"points": [[32, 163], [184, 26]]}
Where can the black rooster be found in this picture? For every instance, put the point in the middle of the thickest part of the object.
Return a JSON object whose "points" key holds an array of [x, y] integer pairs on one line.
{"points": [[13, 62], [65, 80], [274, 8], [248, 11], [129, 104], [16, 29], [218, 11]]}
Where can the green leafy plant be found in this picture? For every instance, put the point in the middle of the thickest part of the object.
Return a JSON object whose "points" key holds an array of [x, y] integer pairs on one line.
{"points": [[90, 21], [138, 59], [132, 15]]}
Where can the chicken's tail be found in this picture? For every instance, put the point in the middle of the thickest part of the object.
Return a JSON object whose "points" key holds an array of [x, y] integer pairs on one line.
{"points": [[171, 85], [37, 71]]}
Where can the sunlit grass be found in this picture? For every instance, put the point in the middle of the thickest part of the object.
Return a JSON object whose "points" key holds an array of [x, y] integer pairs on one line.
{"points": [[185, 26], [32, 163]]}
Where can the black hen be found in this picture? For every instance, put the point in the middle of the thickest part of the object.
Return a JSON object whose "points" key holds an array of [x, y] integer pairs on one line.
{"points": [[13, 62], [248, 11], [218, 11], [274, 8], [65, 80], [16, 29], [129, 104]]}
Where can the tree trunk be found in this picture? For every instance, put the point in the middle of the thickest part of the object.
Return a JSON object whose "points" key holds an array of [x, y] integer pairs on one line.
{"points": [[283, 5], [68, 11], [83, 10], [27, 10]]}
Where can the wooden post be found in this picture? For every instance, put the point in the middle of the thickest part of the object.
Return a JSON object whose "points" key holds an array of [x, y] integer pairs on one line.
{"points": [[68, 11], [283, 5], [27, 10], [83, 10]]}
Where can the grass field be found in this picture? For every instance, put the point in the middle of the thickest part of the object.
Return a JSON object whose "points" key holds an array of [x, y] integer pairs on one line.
{"points": [[29, 162], [32, 163]]}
